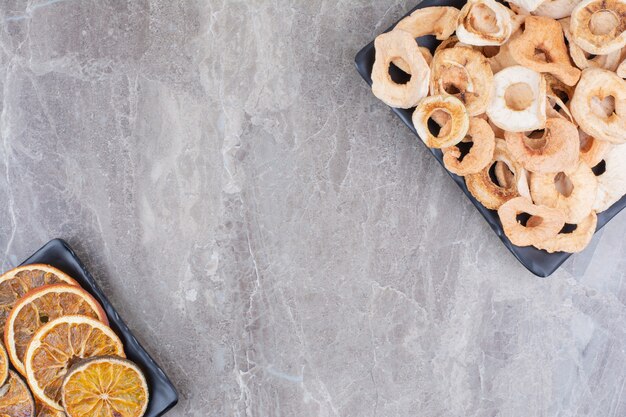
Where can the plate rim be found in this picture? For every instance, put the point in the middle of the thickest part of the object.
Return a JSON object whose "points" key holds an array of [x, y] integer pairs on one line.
{"points": [[97, 292]]}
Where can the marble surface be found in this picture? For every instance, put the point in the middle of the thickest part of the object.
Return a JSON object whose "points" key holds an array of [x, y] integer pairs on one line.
{"points": [[271, 232]]}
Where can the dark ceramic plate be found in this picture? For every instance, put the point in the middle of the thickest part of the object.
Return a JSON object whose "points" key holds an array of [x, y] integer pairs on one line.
{"points": [[538, 262], [163, 395]]}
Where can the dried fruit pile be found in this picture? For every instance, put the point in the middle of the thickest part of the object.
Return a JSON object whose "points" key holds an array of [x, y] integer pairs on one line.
{"points": [[526, 102], [57, 337]]}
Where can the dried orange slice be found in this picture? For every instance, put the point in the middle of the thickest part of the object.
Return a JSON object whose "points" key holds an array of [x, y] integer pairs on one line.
{"points": [[38, 307], [45, 411], [17, 282], [58, 345], [105, 387], [4, 365], [15, 398]]}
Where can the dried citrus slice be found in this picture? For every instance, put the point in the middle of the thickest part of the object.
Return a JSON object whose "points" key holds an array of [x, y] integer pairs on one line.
{"points": [[58, 345], [17, 282], [38, 307], [105, 387], [45, 411], [4, 365], [15, 398]]}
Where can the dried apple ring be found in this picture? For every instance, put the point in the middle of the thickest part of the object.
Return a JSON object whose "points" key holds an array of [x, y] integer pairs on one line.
{"points": [[518, 10], [400, 63], [553, 103], [451, 42], [527, 5], [556, 150], [441, 118], [452, 132], [604, 121], [507, 179], [481, 186], [544, 223], [572, 193], [556, 9], [583, 59], [496, 130], [503, 174], [599, 26], [503, 59], [612, 182], [523, 183], [592, 150], [609, 61], [480, 154], [465, 74], [437, 21], [518, 100], [499, 57], [541, 47], [559, 88], [558, 95], [484, 22], [621, 69], [428, 56], [391, 46], [574, 241]]}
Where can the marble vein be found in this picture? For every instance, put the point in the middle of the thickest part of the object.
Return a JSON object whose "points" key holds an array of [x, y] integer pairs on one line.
{"points": [[273, 235]]}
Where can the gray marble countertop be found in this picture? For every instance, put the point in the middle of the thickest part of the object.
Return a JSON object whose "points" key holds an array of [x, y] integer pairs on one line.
{"points": [[275, 237]]}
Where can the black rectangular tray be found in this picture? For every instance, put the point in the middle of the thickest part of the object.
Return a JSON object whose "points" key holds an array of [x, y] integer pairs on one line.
{"points": [[163, 395], [539, 262]]}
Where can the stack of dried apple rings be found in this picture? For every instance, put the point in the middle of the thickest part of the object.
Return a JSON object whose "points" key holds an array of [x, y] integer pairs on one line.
{"points": [[536, 92]]}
